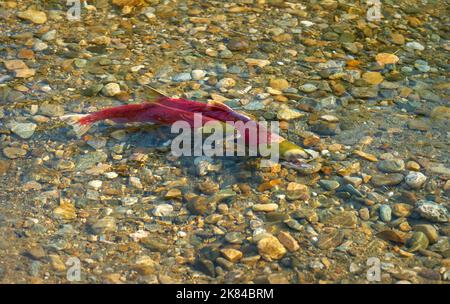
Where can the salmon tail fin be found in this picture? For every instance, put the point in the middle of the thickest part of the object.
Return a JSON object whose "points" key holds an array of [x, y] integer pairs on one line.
{"points": [[79, 123]]}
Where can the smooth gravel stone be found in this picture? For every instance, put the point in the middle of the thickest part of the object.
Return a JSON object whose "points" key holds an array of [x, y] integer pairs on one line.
{"points": [[422, 66], [163, 210], [198, 74], [206, 266], [92, 90], [182, 77], [385, 213], [293, 224], [308, 88], [330, 239], [429, 231], [106, 224], [365, 92], [226, 54], [329, 184], [111, 89], [414, 45], [387, 179], [391, 165], [432, 211], [234, 237], [237, 45], [415, 179], [155, 244], [51, 110], [352, 190], [418, 241], [50, 35], [24, 130]]}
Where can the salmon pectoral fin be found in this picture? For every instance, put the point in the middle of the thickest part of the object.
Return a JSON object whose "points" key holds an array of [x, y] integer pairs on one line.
{"points": [[78, 122]]}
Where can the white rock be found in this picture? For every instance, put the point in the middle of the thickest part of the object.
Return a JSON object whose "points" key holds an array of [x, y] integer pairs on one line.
{"points": [[226, 83], [163, 210], [306, 23], [415, 46], [198, 74], [24, 130], [308, 88], [111, 175], [95, 184], [111, 89], [415, 179]]}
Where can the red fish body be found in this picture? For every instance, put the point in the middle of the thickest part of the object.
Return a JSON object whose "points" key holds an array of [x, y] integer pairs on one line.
{"points": [[166, 111]]}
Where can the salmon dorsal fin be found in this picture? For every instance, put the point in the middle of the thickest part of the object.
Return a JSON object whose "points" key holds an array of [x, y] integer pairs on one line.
{"points": [[227, 108], [153, 94]]}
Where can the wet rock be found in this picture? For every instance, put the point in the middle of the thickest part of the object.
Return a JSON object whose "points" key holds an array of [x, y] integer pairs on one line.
{"points": [[432, 211], [402, 210], [173, 194], [226, 83], [286, 113], [182, 77], [237, 44], [415, 179], [422, 66], [373, 78], [145, 265], [288, 241], [231, 254], [430, 232], [341, 219], [198, 74], [234, 237], [265, 207], [364, 214], [385, 213], [308, 88], [270, 248], [155, 244], [163, 210], [34, 16], [418, 241], [206, 266], [387, 179], [330, 238], [92, 90], [13, 152], [88, 160], [414, 45], [296, 191], [36, 253], [66, 211], [391, 165], [412, 165], [329, 184], [24, 73], [325, 128], [49, 36], [111, 89], [57, 263], [430, 274], [200, 206], [364, 92], [103, 225], [51, 110], [279, 84], [418, 124], [23, 130]]}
